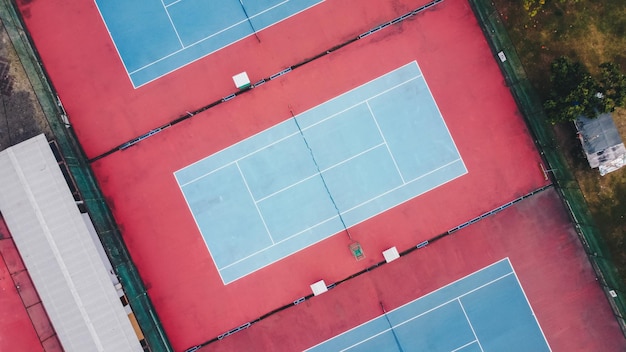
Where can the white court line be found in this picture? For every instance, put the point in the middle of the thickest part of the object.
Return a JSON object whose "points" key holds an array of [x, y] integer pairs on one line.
{"points": [[295, 133], [385, 140], [288, 187], [505, 259], [255, 203], [440, 114], [531, 309], [269, 8], [433, 309], [315, 107], [398, 187], [357, 104], [452, 300], [461, 347], [292, 134], [470, 324], [114, 44], [219, 269], [321, 223], [212, 35], [236, 160], [322, 171], [371, 81], [172, 3], [365, 340], [195, 220], [220, 48], [426, 295], [279, 242], [173, 26]]}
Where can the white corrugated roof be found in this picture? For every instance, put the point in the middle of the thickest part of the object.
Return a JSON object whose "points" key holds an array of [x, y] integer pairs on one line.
{"points": [[59, 253]]}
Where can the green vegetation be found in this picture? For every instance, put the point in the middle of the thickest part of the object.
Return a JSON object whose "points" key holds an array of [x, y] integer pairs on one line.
{"points": [[575, 92], [590, 32], [534, 6]]}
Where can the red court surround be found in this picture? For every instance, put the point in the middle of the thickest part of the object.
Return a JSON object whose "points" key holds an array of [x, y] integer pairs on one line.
{"points": [[191, 301]]}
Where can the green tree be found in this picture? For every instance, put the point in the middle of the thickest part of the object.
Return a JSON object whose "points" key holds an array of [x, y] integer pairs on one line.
{"points": [[576, 92], [613, 86]]}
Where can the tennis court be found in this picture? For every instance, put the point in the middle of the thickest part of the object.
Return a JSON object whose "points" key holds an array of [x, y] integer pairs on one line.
{"points": [[484, 311], [155, 37], [328, 168], [278, 152]]}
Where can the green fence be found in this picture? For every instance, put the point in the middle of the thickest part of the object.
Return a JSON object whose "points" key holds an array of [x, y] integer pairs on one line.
{"points": [[531, 107], [99, 212]]}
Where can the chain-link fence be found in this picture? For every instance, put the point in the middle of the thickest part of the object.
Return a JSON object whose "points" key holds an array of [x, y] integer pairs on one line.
{"points": [[531, 107]]}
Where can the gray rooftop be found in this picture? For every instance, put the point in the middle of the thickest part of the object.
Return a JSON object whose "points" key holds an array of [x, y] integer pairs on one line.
{"points": [[598, 134], [59, 253]]}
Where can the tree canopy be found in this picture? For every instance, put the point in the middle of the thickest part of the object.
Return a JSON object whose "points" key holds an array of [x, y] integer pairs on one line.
{"points": [[576, 92]]}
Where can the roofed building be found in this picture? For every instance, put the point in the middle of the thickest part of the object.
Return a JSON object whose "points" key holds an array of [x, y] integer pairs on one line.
{"points": [[601, 143]]}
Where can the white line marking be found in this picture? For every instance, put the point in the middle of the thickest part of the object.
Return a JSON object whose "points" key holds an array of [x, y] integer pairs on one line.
{"points": [[213, 35], [363, 341], [462, 347], [173, 2], [297, 132], [329, 116], [505, 259], [354, 105], [531, 308], [288, 187], [114, 45], [203, 39], [236, 41], [470, 324], [322, 171], [292, 134], [159, 60], [385, 140], [173, 26], [454, 299], [400, 186], [429, 294], [195, 220], [371, 81], [268, 9], [315, 107], [321, 223], [283, 240], [255, 204], [238, 159], [440, 114]]}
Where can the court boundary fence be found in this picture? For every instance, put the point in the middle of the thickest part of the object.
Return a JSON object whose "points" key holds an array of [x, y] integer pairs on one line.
{"points": [[88, 189], [529, 103]]}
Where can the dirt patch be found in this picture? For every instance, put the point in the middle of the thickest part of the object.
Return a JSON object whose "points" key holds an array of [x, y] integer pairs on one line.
{"points": [[21, 116]]}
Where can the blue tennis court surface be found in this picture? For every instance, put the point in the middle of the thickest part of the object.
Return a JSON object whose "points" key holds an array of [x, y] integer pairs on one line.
{"points": [[284, 189], [485, 311], [155, 37]]}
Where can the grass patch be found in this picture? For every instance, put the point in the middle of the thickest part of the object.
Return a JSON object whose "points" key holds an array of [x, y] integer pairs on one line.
{"points": [[591, 31]]}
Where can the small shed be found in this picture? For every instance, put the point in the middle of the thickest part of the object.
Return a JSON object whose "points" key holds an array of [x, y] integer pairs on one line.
{"points": [[601, 142]]}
